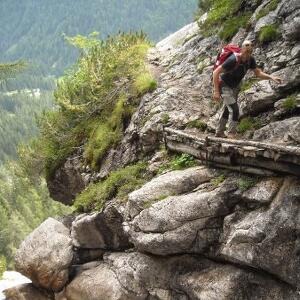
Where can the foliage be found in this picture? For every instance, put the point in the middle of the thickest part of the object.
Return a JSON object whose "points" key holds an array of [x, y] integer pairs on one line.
{"points": [[178, 162], [290, 103], [247, 182], [17, 118], [232, 26], [95, 100], [247, 84], [218, 180], [197, 124], [165, 118], [22, 208], [272, 5], [10, 70], [2, 265], [248, 123], [144, 83], [118, 184], [268, 33], [38, 37], [225, 17]]}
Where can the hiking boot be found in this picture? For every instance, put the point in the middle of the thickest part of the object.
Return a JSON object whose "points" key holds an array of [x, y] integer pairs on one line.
{"points": [[220, 134], [232, 136]]}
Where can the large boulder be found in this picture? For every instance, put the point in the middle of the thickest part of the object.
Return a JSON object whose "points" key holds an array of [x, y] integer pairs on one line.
{"points": [[268, 238], [285, 131], [136, 276], [27, 292], [100, 230], [46, 255], [188, 223], [171, 183]]}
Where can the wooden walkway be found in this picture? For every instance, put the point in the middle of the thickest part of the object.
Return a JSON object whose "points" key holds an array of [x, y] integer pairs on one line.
{"points": [[240, 155]]}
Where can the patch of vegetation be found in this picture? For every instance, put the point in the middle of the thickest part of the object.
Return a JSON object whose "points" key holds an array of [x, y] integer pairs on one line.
{"points": [[2, 265], [118, 184], [179, 162], [95, 99], [247, 182], [165, 118], [232, 26], [144, 83], [247, 84], [218, 180], [225, 17], [290, 103], [149, 203], [248, 124], [197, 124], [272, 5], [268, 33]]}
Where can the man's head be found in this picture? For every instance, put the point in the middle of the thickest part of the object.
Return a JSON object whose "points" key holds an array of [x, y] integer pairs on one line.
{"points": [[247, 48]]}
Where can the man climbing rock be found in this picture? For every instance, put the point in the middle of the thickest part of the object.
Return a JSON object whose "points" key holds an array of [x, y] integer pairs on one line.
{"points": [[226, 80]]}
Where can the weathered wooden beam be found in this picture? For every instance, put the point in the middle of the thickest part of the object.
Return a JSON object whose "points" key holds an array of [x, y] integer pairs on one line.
{"points": [[280, 148], [233, 159]]}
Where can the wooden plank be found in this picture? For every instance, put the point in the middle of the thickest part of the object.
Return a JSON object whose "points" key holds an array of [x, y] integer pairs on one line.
{"points": [[280, 148]]}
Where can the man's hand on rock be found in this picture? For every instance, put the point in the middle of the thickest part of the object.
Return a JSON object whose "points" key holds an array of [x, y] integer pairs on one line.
{"points": [[276, 79], [217, 96]]}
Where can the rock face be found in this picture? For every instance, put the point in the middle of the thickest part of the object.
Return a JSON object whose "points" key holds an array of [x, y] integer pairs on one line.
{"points": [[137, 276], [198, 233], [100, 231], [46, 255], [27, 292]]}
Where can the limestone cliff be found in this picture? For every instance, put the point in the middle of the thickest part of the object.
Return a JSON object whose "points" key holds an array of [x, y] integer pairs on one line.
{"points": [[199, 233]]}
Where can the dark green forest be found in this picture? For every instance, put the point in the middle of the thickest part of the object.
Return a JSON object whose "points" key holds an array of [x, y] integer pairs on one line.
{"points": [[33, 29]]}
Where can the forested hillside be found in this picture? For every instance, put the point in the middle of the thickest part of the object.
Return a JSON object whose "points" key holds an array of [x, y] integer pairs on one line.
{"points": [[34, 29]]}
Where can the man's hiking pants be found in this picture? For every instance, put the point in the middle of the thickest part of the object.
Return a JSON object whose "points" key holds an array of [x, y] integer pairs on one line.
{"points": [[230, 110]]}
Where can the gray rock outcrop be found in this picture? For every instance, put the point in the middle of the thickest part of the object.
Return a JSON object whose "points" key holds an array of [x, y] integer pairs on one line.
{"points": [[27, 292], [46, 255], [136, 276], [100, 231]]}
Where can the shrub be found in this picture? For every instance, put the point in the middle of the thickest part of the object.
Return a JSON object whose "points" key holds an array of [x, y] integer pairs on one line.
{"points": [[2, 265], [290, 103], [178, 162], [247, 84], [197, 124], [247, 182], [218, 180], [248, 124], [232, 26], [272, 5], [109, 77], [144, 83], [118, 184], [268, 33], [165, 118]]}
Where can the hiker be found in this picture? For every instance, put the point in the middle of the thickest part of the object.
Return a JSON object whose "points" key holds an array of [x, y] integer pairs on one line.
{"points": [[226, 80]]}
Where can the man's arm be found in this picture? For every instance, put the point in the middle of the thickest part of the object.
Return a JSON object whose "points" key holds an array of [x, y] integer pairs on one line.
{"points": [[260, 74], [216, 75]]}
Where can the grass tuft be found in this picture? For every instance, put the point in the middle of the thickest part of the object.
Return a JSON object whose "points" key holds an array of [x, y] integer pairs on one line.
{"points": [[272, 5], [248, 124], [290, 103], [268, 33], [246, 183], [118, 184], [197, 124]]}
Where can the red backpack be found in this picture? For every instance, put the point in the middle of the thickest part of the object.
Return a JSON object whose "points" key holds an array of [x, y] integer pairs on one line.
{"points": [[225, 53]]}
